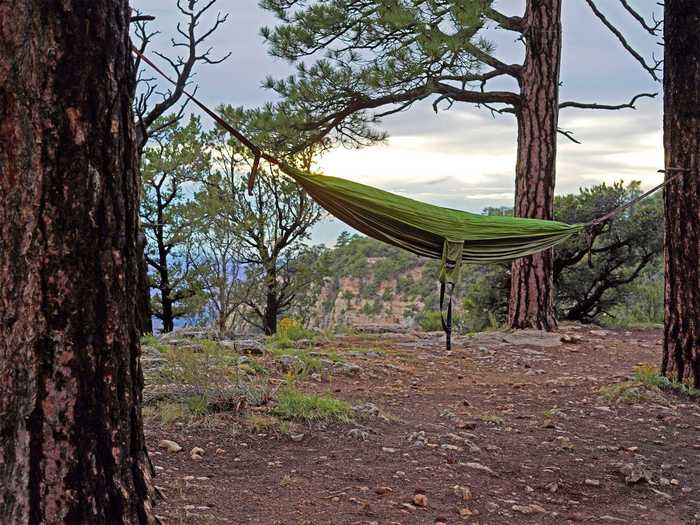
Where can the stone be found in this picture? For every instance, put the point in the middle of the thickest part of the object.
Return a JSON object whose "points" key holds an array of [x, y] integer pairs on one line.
{"points": [[635, 473], [296, 437], [593, 482], [532, 508], [169, 445], [420, 500], [480, 467], [358, 433], [539, 338], [197, 450], [291, 363], [463, 493]]}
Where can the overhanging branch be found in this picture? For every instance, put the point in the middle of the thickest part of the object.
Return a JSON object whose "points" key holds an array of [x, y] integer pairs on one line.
{"points": [[651, 69], [595, 105]]}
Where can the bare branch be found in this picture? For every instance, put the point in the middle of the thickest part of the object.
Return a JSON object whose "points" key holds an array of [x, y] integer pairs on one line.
{"points": [[569, 135], [594, 105], [652, 29], [142, 18], [651, 69], [183, 65]]}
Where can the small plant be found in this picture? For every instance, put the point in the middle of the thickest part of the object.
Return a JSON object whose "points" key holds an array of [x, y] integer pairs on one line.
{"points": [[646, 384], [292, 330], [552, 412], [431, 321], [257, 423], [168, 413], [198, 405], [309, 363], [491, 419], [293, 404], [152, 341]]}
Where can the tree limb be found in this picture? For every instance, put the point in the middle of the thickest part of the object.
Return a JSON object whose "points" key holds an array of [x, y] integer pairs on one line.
{"points": [[594, 105], [651, 69]]}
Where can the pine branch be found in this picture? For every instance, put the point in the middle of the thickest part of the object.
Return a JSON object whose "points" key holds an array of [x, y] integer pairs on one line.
{"points": [[511, 23]]}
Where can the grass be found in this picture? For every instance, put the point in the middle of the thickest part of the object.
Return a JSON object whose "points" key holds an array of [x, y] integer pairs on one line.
{"points": [[292, 404], [496, 421], [646, 384], [152, 341], [168, 413], [311, 363], [257, 423]]}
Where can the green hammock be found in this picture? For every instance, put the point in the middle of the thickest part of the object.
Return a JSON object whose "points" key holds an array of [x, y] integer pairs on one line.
{"points": [[425, 229], [453, 236]]}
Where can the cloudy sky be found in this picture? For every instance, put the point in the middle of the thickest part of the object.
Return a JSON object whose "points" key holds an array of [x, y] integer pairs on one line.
{"points": [[464, 158]]}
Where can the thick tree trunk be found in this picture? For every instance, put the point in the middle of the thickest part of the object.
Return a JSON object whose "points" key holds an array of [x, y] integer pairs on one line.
{"points": [[72, 447], [681, 356], [532, 291]]}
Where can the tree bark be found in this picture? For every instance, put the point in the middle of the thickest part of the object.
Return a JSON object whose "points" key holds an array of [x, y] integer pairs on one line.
{"points": [[72, 447], [681, 353], [531, 303], [271, 303]]}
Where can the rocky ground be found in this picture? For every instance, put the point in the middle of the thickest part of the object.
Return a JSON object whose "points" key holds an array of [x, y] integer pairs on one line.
{"points": [[504, 429]]}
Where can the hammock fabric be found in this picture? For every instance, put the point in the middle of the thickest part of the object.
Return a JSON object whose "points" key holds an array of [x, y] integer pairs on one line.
{"points": [[453, 236]]}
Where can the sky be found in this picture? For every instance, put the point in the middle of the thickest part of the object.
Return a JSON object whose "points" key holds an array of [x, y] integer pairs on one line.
{"points": [[464, 158]]}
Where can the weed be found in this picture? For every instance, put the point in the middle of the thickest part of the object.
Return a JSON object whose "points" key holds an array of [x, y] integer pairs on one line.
{"points": [[257, 423], [292, 330], [646, 384], [152, 341], [293, 404], [168, 413], [496, 421], [310, 363]]}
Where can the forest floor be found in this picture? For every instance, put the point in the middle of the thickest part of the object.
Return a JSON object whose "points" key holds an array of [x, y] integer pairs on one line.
{"points": [[504, 429]]}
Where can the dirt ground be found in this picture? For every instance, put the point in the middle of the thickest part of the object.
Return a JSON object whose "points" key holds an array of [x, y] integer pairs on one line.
{"points": [[521, 430]]}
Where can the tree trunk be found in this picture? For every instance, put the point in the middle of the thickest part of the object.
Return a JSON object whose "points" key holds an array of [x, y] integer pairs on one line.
{"points": [[271, 304], [143, 307], [144, 317], [71, 438], [531, 302], [681, 355]]}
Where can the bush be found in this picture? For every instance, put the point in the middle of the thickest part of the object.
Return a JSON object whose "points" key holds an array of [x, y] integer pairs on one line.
{"points": [[430, 321], [292, 330]]}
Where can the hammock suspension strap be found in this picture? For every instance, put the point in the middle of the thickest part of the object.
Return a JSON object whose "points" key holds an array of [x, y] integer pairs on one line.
{"points": [[446, 321]]}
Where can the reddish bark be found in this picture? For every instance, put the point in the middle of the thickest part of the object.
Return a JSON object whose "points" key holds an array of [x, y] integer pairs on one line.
{"points": [[681, 355], [532, 290], [71, 440]]}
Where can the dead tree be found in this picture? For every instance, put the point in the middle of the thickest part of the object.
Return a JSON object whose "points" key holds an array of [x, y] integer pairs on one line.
{"points": [[72, 447], [151, 104]]}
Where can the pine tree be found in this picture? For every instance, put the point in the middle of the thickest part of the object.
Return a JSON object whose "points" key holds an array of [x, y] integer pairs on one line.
{"points": [[72, 448], [681, 355], [382, 57]]}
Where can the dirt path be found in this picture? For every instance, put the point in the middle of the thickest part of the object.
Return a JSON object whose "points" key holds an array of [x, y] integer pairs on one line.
{"points": [[522, 427]]}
